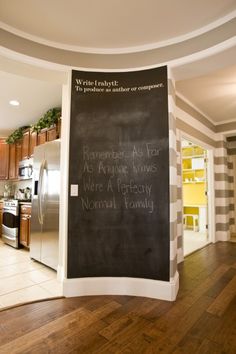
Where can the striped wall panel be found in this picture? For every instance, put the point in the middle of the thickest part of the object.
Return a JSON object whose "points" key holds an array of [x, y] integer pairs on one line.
{"points": [[180, 255], [223, 194], [173, 178], [190, 121], [231, 198]]}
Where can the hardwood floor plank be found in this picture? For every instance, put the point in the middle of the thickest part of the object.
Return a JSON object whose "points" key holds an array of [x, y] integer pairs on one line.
{"points": [[173, 331], [220, 304], [106, 309], [208, 346], [71, 339], [201, 320], [97, 301], [31, 317], [225, 327], [160, 309], [215, 290], [121, 333], [203, 328], [206, 284], [188, 345], [133, 304], [81, 317], [122, 299]]}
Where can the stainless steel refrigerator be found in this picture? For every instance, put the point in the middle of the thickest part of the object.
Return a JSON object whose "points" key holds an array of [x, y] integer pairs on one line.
{"points": [[44, 233]]}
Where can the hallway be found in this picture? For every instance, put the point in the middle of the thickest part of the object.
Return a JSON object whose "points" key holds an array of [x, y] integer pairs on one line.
{"points": [[201, 320], [194, 241]]}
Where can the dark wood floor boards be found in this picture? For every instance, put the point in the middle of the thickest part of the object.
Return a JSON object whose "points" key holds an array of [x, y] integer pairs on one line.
{"points": [[201, 320], [220, 304]]}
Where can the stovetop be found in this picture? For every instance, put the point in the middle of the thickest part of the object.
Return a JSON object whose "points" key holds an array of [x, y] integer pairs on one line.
{"points": [[15, 202]]}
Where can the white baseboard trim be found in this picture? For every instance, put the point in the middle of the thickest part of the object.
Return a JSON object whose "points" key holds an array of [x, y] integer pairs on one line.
{"points": [[163, 290]]}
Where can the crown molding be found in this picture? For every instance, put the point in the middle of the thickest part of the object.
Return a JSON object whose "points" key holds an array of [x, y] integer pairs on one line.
{"points": [[123, 50]]}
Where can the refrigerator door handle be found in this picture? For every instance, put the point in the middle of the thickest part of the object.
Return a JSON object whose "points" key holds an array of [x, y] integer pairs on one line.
{"points": [[43, 190], [40, 192]]}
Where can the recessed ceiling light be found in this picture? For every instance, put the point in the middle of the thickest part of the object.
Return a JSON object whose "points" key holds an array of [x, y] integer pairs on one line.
{"points": [[14, 103]]}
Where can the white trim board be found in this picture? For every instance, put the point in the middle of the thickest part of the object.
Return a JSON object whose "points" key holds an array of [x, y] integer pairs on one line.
{"points": [[163, 290]]}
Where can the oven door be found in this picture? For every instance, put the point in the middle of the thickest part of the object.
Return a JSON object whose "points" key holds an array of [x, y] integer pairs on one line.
{"points": [[10, 226]]}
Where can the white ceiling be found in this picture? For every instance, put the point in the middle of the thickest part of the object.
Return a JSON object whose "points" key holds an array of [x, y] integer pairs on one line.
{"points": [[109, 26], [35, 98], [93, 25], [213, 94]]}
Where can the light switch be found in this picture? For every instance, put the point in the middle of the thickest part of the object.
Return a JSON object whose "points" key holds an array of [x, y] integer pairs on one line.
{"points": [[74, 190]]}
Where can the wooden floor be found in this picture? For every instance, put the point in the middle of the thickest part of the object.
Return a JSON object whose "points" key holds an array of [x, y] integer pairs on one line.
{"points": [[201, 320]]}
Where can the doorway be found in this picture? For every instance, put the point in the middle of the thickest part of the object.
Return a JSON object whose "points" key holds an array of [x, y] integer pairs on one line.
{"points": [[195, 200]]}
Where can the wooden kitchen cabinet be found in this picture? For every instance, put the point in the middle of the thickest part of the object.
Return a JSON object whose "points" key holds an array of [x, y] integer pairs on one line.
{"points": [[29, 141], [48, 134], [4, 159], [42, 136], [25, 216], [33, 142], [25, 144], [18, 156], [12, 161], [52, 133]]}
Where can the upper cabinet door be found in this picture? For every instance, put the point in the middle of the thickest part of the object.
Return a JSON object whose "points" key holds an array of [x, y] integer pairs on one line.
{"points": [[52, 133], [42, 136], [33, 142], [18, 156], [12, 161], [4, 159], [25, 144]]}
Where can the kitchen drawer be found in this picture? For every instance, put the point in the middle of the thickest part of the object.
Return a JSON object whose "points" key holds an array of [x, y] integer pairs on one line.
{"points": [[25, 209]]}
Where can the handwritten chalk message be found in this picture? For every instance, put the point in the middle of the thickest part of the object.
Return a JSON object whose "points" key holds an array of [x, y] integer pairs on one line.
{"points": [[124, 174]]}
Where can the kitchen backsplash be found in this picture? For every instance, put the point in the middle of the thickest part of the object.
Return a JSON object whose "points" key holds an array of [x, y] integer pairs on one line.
{"points": [[15, 186]]}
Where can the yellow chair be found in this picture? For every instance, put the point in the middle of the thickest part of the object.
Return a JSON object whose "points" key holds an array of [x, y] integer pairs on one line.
{"points": [[195, 221]]}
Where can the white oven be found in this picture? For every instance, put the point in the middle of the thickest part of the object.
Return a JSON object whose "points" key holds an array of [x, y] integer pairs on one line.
{"points": [[10, 223]]}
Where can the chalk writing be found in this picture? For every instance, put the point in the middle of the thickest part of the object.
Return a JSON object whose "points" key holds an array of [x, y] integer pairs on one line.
{"points": [[117, 166], [132, 187], [137, 204], [90, 204]]}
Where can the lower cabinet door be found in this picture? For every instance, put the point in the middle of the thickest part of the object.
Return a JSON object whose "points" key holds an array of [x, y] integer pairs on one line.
{"points": [[24, 230]]}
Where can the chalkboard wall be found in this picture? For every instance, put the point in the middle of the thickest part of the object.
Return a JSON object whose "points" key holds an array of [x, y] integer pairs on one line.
{"points": [[119, 158]]}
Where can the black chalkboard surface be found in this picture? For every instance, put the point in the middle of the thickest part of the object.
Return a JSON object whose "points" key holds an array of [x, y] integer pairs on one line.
{"points": [[119, 157]]}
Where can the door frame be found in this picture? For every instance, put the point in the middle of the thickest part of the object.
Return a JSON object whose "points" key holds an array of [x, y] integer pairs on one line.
{"points": [[210, 184]]}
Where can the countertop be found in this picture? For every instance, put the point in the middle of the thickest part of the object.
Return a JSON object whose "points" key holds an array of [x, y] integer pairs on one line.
{"points": [[21, 201]]}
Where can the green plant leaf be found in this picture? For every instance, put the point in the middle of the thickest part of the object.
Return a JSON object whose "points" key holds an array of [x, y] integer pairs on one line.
{"points": [[48, 119], [16, 135]]}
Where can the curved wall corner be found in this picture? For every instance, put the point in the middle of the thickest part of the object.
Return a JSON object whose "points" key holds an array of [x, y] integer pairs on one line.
{"points": [[165, 290]]}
